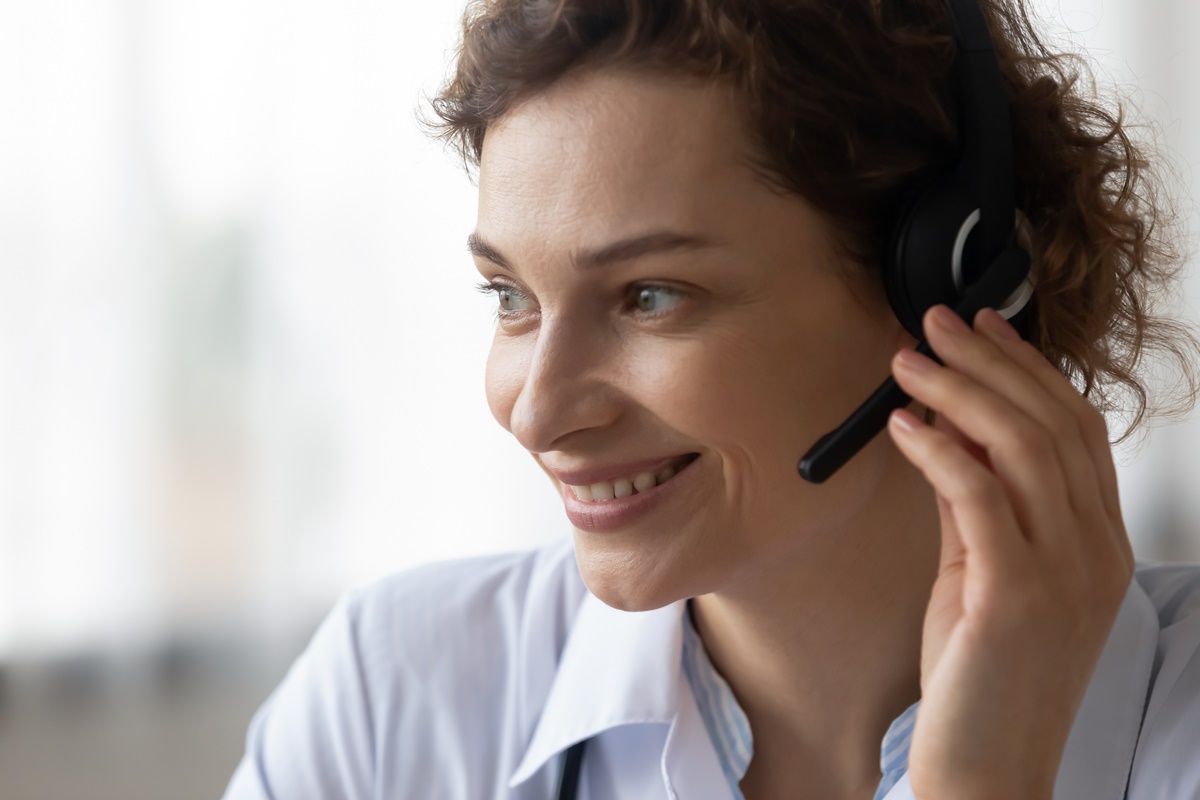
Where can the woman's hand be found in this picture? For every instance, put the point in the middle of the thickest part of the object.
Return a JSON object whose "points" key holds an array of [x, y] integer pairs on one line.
{"points": [[1035, 561]]}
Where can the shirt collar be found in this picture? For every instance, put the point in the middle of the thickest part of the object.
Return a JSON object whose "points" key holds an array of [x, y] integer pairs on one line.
{"points": [[617, 668], [622, 668], [598, 686]]}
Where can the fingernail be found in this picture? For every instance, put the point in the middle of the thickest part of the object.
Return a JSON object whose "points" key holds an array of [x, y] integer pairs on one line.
{"points": [[912, 360], [905, 420], [998, 325], [948, 321]]}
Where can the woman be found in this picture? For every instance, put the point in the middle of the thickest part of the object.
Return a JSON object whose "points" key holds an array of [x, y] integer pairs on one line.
{"points": [[688, 211]]}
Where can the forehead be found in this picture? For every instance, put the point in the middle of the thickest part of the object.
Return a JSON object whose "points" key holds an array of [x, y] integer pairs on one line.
{"points": [[605, 152]]}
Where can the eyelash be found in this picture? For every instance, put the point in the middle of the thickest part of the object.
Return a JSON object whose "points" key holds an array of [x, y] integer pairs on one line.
{"points": [[494, 287]]}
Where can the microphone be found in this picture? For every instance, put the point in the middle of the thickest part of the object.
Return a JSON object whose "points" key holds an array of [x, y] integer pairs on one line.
{"points": [[1000, 281]]}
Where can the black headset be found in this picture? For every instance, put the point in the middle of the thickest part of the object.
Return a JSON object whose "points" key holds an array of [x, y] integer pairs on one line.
{"points": [[933, 257]]}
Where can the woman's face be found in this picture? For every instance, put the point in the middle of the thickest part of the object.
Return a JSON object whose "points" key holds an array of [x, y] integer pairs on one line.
{"points": [[753, 344]]}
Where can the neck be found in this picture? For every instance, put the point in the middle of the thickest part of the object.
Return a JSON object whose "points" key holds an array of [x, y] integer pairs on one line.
{"points": [[824, 651]]}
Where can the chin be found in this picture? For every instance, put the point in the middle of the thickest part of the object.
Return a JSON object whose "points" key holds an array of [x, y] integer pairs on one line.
{"points": [[629, 582]]}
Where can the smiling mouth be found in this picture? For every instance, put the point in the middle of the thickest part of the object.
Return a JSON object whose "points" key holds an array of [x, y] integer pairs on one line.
{"points": [[630, 485]]}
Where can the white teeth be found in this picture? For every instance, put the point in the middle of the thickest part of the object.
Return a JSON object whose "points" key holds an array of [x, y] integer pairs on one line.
{"points": [[602, 491], [623, 487], [644, 481]]}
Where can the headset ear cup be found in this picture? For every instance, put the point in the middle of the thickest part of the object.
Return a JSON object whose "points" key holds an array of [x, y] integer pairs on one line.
{"points": [[1025, 309], [1022, 321], [920, 272], [894, 267]]}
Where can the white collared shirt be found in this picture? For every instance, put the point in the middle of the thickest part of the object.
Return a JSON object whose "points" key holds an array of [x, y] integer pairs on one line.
{"points": [[468, 680], [729, 728]]}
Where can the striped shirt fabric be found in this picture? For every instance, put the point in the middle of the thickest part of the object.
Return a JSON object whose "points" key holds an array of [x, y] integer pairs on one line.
{"points": [[893, 754], [729, 728], [726, 722]]}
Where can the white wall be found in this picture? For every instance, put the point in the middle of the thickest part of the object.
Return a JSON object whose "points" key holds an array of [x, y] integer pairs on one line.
{"points": [[1146, 50], [241, 354]]}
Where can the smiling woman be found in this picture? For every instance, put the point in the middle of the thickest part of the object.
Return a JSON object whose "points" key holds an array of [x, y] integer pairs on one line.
{"points": [[765, 320], [686, 212]]}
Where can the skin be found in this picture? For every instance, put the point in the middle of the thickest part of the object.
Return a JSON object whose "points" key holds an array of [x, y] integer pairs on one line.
{"points": [[991, 539]]}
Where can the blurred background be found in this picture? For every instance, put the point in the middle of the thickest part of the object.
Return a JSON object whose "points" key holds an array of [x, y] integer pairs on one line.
{"points": [[241, 357]]}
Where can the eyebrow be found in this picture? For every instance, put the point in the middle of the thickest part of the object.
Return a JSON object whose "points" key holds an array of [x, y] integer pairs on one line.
{"points": [[622, 250]]}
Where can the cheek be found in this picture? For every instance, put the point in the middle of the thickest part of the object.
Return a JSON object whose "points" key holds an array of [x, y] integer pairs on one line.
{"points": [[764, 392], [734, 374], [504, 376]]}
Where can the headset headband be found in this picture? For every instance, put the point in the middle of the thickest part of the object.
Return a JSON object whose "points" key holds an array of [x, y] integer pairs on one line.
{"points": [[986, 167]]}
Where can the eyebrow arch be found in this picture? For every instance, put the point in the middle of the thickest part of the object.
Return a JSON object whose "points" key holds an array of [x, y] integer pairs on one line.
{"points": [[480, 248], [614, 252]]}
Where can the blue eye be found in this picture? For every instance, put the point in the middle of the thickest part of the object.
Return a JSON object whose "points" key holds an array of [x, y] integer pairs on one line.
{"points": [[506, 295], [648, 299], [646, 294]]}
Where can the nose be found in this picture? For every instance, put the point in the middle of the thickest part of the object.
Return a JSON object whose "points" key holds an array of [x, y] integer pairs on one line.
{"points": [[565, 386]]}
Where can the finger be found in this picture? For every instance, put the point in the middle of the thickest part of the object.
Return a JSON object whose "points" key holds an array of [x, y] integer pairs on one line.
{"points": [[952, 550], [952, 553], [1090, 419], [983, 516], [943, 423], [1023, 457], [985, 360], [1094, 430]]}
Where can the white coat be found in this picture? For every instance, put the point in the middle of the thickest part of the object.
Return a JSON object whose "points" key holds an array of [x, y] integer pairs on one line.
{"points": [[467, 680]]}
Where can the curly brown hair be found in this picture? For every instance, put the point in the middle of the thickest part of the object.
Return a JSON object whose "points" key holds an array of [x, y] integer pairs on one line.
{"points": [[850, 104]]}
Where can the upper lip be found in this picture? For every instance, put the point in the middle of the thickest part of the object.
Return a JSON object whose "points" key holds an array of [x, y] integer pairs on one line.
{"points": [[588, 474]]}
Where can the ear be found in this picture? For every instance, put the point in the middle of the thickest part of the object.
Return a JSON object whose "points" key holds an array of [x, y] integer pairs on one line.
{"points": [[902, 338]]}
